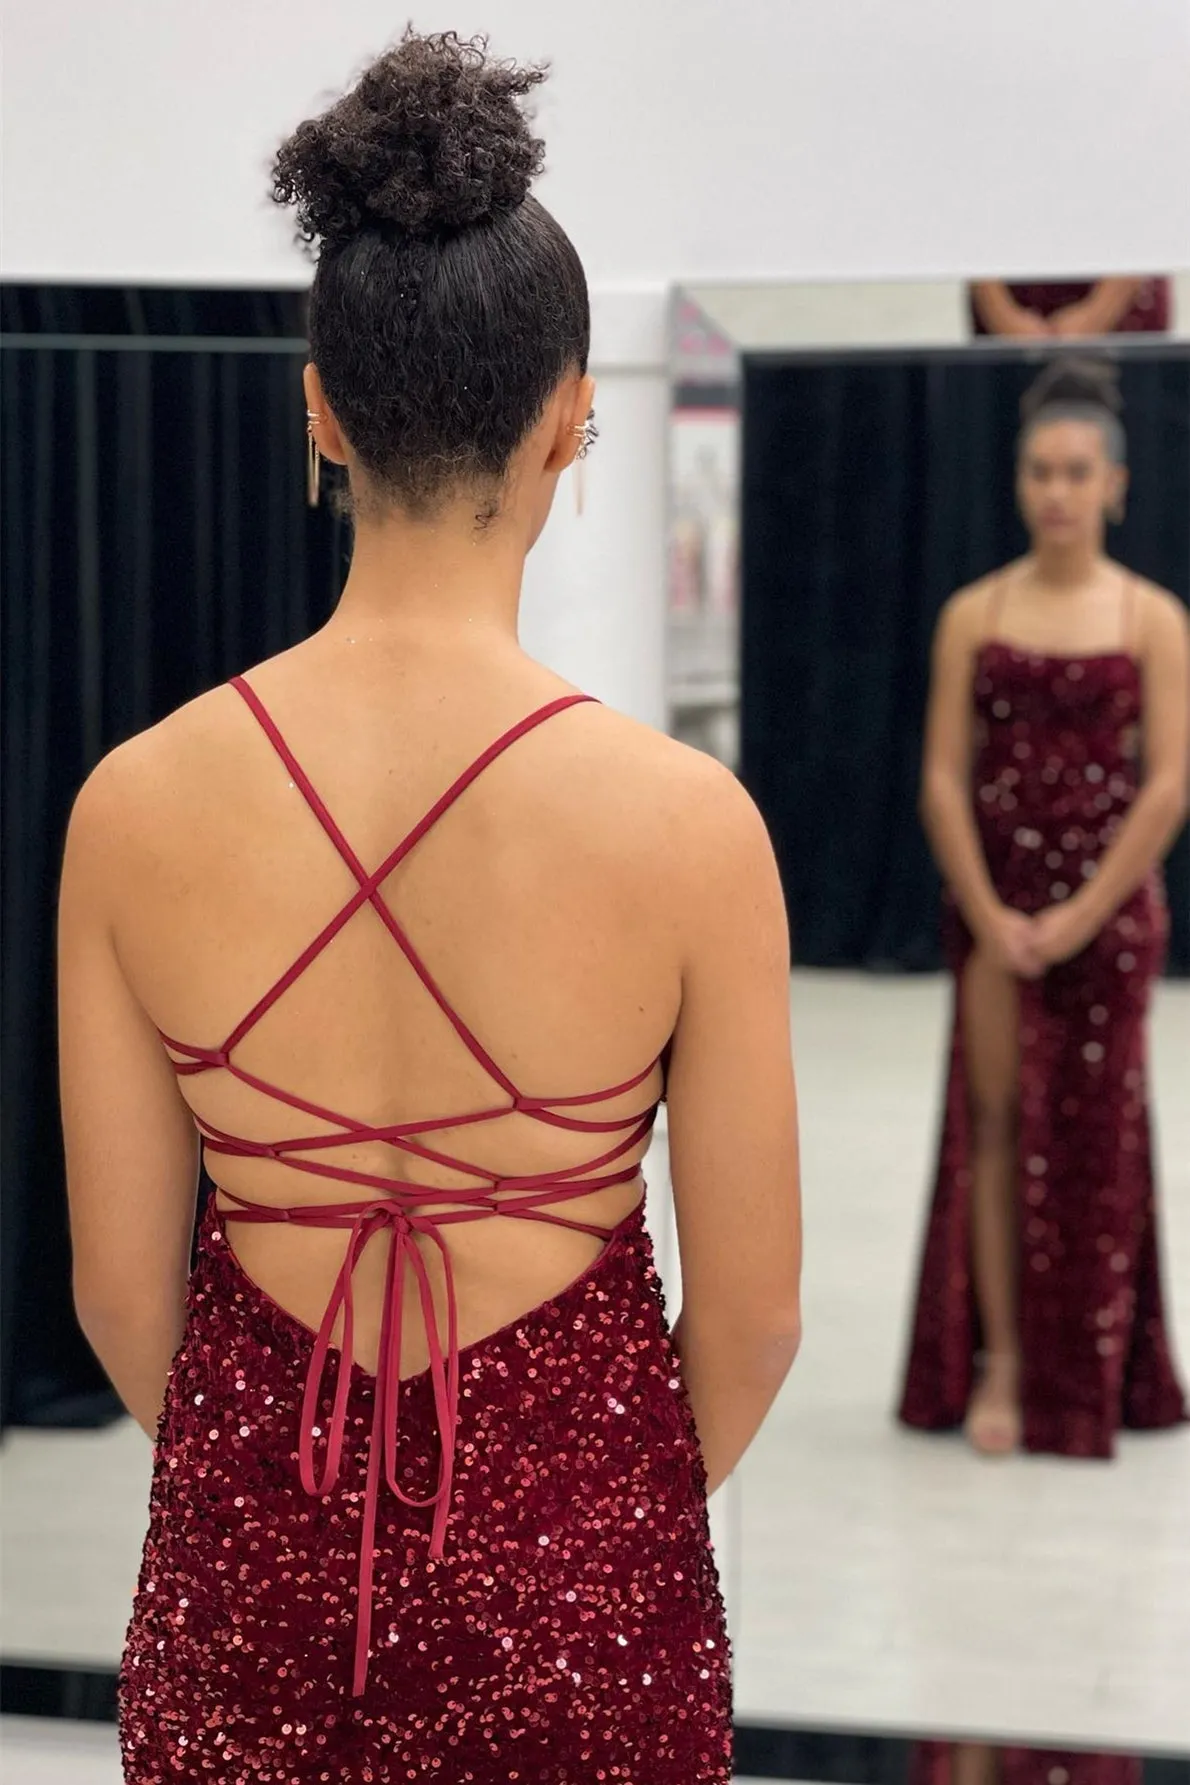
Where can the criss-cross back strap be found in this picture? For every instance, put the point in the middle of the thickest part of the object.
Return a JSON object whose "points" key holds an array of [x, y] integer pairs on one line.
{"points": [[369, 884]]}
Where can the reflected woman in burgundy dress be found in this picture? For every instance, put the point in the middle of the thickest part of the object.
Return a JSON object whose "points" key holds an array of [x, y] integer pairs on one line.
{"points": [[1055, 780], [1071, 308], [416, 936]]}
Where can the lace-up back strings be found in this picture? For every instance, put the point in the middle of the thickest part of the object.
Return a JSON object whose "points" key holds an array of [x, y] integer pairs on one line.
{"points": [[404, 1206]]}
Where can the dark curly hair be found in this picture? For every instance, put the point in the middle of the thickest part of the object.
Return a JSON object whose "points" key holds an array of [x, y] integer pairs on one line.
{"points": [[447, 303], [1077, 387]]}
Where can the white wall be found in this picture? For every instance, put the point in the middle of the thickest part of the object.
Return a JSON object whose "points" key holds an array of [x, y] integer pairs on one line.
{"points": [[593, 605], [688, 138]]}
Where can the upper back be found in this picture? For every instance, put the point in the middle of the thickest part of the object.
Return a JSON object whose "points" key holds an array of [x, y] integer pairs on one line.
{"points": [[543, 903]]}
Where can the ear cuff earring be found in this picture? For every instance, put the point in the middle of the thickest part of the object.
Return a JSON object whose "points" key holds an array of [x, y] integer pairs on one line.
{"points": [[586, 433], [313, 459]]}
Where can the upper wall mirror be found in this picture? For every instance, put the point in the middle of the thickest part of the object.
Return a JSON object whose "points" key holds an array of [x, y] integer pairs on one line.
{"points": [[728, 340]]}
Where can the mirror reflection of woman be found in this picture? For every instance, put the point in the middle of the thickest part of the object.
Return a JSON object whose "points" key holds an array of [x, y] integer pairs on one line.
{"points": [[1059, 700]]}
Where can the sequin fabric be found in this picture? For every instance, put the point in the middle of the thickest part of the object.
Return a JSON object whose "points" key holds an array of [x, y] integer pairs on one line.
{"points": [[573, 1630], [1056, 770]]}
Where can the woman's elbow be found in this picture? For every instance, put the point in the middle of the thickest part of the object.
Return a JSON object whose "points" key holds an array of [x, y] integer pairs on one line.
{"points": [[927, 807], [100, 1312], [106, 1307], [774, 1340], [790, 1336], [1170, 794], [938, 790]]}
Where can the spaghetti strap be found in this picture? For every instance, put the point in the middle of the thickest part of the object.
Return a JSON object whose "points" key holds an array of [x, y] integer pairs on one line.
{"points": [[413, 836], [1128, 615], [995, 606]]}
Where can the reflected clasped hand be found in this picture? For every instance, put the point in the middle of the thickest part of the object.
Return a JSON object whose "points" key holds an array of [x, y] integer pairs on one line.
{"points": [[1077, 320], [1008, 937], [1027, 324], [1062, 931], [1027, 945]]}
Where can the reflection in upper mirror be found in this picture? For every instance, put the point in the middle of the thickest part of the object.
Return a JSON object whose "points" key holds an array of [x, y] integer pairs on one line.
{"points": [[928, 573]]}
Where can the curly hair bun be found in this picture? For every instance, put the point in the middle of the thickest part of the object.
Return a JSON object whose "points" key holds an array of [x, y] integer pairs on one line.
{"points": [[430, 140], [1074, 379]]}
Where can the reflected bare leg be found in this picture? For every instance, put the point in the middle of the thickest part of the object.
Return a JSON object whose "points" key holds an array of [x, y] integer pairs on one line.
{"points": [[990, 1045], [974, 1763]]}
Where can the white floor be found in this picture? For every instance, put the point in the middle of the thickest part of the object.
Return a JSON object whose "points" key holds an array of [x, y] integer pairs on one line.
{"points": [[877, 1579], [37, 1751], [896, 1581]]}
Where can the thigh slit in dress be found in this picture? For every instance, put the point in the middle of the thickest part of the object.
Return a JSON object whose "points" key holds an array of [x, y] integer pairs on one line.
{"points": [[499, 1569]]}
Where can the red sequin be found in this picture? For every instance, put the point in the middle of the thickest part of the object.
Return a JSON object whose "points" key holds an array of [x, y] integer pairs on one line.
{"points": [[573, 1629]]}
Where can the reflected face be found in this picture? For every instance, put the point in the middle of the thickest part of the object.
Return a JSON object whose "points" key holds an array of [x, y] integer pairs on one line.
{"points": [[1066, 483]]}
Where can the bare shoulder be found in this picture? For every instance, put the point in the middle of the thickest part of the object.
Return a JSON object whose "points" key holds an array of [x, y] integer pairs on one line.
{"points": [[1161, 620], [964, 617], [690, 780], [690, 811], [120, 803]]}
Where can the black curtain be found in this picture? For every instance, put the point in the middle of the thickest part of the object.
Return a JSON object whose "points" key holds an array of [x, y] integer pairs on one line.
{"points": [[873, 487], [156, 540]]}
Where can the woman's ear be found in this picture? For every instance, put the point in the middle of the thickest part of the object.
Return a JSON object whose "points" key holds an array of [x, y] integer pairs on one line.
{"points": [[574, 414], [327, 435]]}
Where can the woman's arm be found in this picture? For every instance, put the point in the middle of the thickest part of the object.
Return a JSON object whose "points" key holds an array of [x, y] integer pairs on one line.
{"points": [[946, 792], [1159, 807], [1000, 313], [131, 1147], [1101, 309], [733, 1129]]}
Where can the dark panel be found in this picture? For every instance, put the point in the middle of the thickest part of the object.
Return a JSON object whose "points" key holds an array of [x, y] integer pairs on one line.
{"points": [[155, 541]]}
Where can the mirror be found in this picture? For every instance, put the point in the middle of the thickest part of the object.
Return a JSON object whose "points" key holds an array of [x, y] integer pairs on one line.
{"points": [[842, 460]]}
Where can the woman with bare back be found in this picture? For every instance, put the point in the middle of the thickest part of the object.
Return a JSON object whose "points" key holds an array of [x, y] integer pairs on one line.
{"points": [[1055, 780], [417, 936]]}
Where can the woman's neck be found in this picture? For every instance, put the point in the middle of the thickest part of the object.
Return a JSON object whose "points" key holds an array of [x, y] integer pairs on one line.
{"points": [[1066, 566], [431, 581]]}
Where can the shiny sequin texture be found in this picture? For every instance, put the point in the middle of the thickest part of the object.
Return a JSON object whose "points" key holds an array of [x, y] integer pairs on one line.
{"points": [[572, 1631], [1056, 770]]}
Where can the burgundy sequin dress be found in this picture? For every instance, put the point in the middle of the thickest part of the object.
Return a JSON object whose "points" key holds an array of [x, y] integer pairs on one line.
{"points": [[497, 1570], [1055, 773]]}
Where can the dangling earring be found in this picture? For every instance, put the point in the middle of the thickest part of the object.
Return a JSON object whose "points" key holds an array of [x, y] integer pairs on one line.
{"points": [[313, 460], [585, 432]]}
